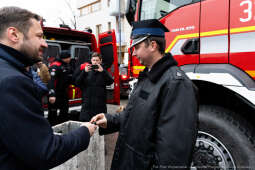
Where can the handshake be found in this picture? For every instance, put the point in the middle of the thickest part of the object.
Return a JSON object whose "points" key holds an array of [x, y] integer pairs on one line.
{"points": [[97, 121]]}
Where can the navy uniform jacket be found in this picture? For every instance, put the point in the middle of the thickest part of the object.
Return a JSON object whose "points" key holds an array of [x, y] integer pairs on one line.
{"points": [[27, 141], [158, 128]]}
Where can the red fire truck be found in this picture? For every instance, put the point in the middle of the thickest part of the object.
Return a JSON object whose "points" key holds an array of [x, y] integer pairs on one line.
{"points": [[81, 45], [214, 43]]}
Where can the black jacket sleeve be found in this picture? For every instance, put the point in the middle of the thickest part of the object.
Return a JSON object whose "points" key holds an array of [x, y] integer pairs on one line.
{"points": [[80, 78], [55, 73], [113, 123], [177, 125], [108, 78], [27, 135]]}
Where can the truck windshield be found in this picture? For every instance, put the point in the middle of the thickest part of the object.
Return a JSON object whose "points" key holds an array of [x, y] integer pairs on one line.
{"points": [[155, 9]]}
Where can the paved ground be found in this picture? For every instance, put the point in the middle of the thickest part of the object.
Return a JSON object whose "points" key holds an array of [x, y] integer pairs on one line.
{"points": [[110, 140]]}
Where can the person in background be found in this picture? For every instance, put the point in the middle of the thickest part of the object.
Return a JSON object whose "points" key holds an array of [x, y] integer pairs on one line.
{"points": [[93, 80], [27, 141], [41, 86], [43, 72], [41, 76], [158, 128], [61, 78]]}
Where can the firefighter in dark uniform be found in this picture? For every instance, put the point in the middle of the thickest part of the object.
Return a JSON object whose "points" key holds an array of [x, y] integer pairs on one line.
{"points": [[158, 128], [61, 78]]}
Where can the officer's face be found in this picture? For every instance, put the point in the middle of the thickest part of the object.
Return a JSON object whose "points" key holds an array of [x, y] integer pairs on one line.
{"points": [[33, 43], [143, 53], [96, 60]]}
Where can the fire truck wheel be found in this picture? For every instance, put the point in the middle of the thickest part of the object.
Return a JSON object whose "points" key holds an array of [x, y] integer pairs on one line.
{"points": [[225, 141]]}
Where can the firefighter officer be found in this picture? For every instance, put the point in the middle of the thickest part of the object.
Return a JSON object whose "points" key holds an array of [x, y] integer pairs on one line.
{"points": [[158, 128], [61, 77]]}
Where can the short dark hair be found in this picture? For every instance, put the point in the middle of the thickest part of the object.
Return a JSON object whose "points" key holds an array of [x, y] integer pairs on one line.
{"points": [[159, 40], [96, 54], [16, 17]]}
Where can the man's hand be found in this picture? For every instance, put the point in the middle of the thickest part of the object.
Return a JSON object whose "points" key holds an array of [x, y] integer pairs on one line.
{"points": [[100, 68], [90, 126], [87, 68], [99, 120], [52, 100]]}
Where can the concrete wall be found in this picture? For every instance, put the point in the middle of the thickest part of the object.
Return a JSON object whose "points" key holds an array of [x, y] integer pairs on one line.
{"points": [[91, 159]]}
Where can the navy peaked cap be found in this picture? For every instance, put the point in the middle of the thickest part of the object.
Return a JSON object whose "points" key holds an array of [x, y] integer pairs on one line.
{"points": [[65, 54], [146, 28]]}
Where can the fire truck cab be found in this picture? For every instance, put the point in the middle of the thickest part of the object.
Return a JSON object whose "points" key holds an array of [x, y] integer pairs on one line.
{"points": [[213, 42], [81, 45]]}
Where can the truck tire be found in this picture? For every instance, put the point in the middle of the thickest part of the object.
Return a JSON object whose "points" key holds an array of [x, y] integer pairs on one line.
{"points": [[224, 141]]}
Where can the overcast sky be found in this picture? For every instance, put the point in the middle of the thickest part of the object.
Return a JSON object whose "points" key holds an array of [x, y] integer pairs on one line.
{"points": [[51, 10]]}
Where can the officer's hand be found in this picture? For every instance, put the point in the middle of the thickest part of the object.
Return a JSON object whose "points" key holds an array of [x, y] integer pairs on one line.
{"points": [[87, 68], [90, 126], [52, 100], [100, 68], [99, 120]]}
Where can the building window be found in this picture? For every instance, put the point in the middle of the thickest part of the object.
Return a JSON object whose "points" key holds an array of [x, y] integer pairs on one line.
{"points": [[109, 26], [96, 6], [98, 29], [93, 7], [85, 10]]}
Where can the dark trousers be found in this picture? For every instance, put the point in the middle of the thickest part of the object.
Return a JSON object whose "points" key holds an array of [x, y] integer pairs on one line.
{"points": [[61, 104]]}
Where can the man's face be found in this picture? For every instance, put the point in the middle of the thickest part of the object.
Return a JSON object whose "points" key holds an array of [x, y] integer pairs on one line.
{"points": [[143, 53], [33, 43], [96, 60]]}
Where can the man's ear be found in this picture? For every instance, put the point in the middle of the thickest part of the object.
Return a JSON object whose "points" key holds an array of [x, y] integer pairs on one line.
{"points": [[13, 34], [154, 45]]}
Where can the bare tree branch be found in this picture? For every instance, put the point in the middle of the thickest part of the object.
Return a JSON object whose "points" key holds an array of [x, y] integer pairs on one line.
{"points": [[63, 22], [74, 20]]}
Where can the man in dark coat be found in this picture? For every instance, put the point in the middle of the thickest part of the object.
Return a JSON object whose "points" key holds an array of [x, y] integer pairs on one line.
{"points": [[61, 78], [27, 141], [158, 128], [93, 80]]}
